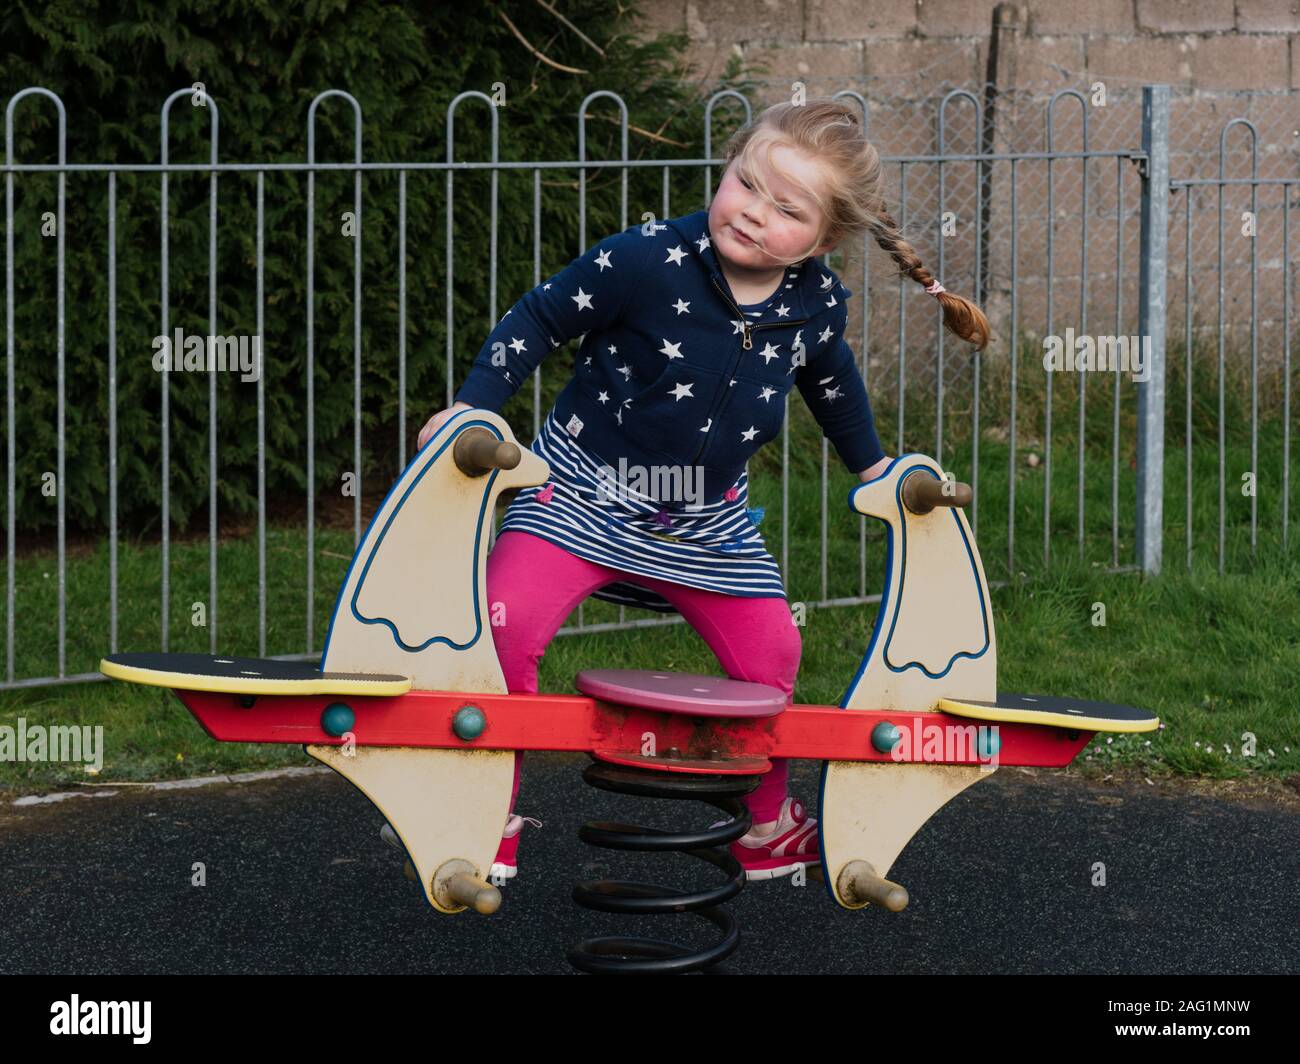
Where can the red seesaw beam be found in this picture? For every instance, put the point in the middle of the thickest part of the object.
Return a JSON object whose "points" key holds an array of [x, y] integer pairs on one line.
{"points": [[581, 723]]}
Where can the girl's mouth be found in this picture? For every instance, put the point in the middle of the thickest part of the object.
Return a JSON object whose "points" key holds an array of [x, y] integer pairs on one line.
{"points": [[742, 238]]}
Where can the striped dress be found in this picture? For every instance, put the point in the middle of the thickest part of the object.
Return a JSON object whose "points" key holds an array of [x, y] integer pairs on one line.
{"points": [[714, 547]]}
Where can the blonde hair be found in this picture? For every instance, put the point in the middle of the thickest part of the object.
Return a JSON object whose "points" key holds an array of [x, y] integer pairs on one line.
{"points": [[849, 194]]}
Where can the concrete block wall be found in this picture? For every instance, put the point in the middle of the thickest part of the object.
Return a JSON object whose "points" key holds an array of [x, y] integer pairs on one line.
{"points": [[1207, 44], [1222, 58]]}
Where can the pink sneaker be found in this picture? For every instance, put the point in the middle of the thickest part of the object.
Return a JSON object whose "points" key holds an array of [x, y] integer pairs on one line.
{"points": [[793, 842], [505, 866]]}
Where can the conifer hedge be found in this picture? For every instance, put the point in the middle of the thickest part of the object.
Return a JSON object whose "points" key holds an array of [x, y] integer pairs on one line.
{"points": [[113, 65]]}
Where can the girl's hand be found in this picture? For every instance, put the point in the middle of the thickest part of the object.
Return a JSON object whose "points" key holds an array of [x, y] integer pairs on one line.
{"points": [[871, 472], [435, 423]]}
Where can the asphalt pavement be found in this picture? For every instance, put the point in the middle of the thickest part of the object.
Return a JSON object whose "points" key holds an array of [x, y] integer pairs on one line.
{"points": [[1002, 880]]}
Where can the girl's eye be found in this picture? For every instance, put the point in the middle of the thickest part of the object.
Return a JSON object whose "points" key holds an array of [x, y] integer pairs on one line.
{"points": [[784, 210]]}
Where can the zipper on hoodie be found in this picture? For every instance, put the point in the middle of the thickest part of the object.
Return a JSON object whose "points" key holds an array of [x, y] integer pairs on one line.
{"points": [[747, 328], [747, 344]]}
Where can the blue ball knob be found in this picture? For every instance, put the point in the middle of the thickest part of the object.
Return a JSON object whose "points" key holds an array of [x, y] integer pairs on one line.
{"points": [[885, 736], [990, 742], [468, 723], [337, 719]]}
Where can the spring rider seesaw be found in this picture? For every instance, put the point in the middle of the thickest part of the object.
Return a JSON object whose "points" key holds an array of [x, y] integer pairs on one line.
{"points": [[409, 704]]}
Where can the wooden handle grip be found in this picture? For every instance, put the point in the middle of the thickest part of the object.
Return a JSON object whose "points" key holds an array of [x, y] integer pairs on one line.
{"points": [[859, 883], [922, 493], [471, 891], [478, 451]]}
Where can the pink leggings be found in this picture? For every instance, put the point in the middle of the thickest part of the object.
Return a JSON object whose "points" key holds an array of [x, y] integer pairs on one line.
{"points": [[540, 584]]}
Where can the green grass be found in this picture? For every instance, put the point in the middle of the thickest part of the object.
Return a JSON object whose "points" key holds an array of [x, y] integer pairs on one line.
{"points": [[1216, 656]]}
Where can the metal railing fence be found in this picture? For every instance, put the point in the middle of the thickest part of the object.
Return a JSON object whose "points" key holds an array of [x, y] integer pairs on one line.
{"points": [[968, 194]]}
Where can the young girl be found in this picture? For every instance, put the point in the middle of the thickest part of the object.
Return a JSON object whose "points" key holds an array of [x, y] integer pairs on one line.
{"points": [[693, 331]]}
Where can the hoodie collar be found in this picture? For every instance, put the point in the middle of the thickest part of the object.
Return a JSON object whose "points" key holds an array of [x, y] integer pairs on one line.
{"points": [[805, 295]]}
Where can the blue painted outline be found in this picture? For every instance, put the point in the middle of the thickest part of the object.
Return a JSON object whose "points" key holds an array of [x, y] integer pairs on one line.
{"points": [[400, 485], [879, 626]]}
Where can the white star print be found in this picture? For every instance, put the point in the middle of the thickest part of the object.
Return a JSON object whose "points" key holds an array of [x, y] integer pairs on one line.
{"points": [[583, 300], [832, 302], [588, 362], [733, 382], [682, 307], [703, 242], [766, 393], [706, 427], [749, 434], [683, 391], [827, 281], [546, 286], [768, 353], [827, 380], [831, 393], [825, 335], [671, 350], [782, 311], [602, 260], [518, 345], [603, 397], [626, 371], [675, 256], [737, 327], [613, 350]]}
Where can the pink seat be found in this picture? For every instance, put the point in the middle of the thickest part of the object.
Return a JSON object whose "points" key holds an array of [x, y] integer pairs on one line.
{"points": [[682, 692]]}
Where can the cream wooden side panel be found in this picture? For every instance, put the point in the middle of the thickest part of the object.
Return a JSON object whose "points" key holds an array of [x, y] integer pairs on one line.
{"points": [[933, 636], [876, 808], [415, 600], [443, 804]]}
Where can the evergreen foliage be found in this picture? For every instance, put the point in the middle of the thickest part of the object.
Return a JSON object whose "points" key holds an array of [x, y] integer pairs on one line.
{"points": [[113, 65]]}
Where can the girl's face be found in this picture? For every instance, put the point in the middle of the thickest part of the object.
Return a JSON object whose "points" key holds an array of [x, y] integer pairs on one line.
{"points": [[751, 232]]}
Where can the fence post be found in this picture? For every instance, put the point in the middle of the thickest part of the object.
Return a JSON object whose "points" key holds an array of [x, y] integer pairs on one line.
{"points": [[1151, 326]]}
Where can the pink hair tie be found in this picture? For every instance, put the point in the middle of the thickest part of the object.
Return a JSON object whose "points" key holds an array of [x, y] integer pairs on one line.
{"points": [[934, 288]]}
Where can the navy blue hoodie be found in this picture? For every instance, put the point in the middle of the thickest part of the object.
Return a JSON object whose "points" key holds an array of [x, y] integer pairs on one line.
{"points": [[670, 369]]}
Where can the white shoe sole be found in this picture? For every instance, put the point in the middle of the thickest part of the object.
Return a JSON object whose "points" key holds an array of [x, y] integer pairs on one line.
{"points": [[781, 870]]}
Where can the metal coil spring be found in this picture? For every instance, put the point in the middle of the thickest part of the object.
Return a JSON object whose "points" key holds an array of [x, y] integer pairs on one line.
{"points": [[610, 954]]}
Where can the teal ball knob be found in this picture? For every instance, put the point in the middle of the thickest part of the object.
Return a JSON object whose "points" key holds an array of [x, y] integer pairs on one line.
{"points": [[468, 723], [337, 719], [885, 736], [990, 742]]}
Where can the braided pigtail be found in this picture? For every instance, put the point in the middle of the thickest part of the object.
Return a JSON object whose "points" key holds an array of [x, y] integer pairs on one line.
{"points": [[960, 315]]}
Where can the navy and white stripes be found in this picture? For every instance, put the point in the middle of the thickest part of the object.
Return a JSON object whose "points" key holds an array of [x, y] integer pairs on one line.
{"points": [[714, 547]]}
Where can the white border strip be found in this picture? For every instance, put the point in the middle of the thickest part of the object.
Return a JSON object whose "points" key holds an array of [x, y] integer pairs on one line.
{"points": [[108, 790]]}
